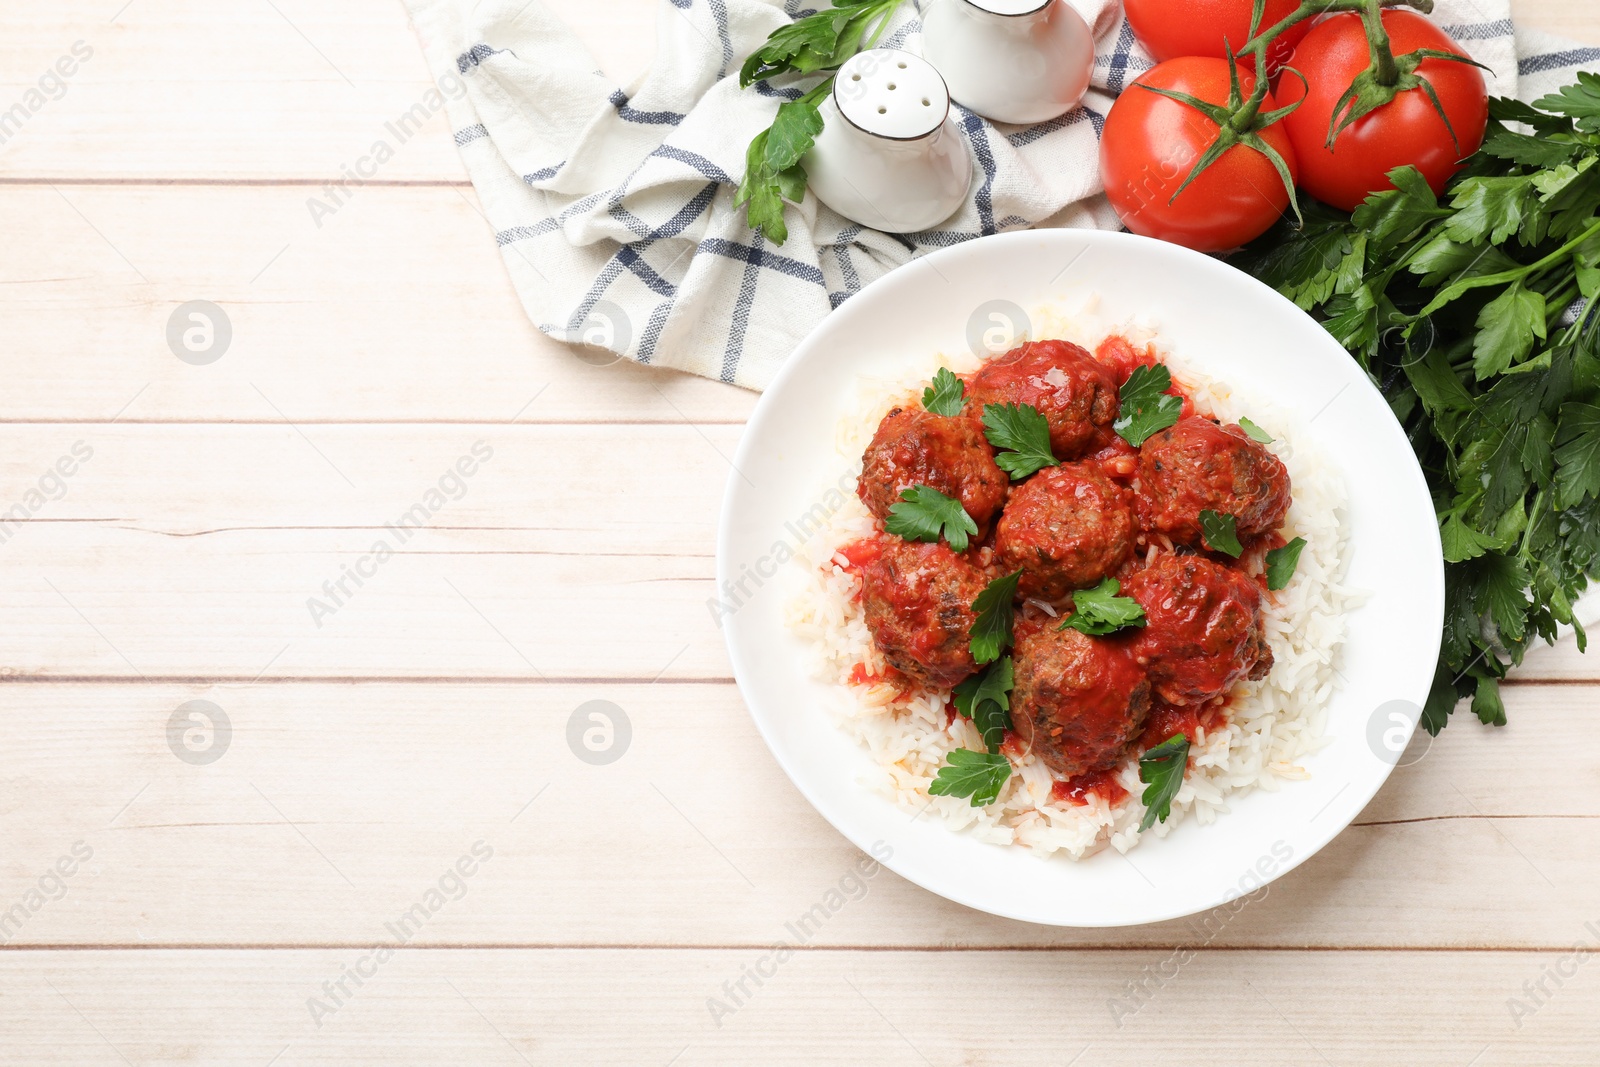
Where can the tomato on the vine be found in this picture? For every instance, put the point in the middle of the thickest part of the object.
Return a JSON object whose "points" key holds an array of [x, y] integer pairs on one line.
{"points": [[1172, 29], [1407, 130], [1150, 144]]}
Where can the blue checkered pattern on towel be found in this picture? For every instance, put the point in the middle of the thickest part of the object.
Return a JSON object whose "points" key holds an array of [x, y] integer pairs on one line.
{"points": [[613, 206]]}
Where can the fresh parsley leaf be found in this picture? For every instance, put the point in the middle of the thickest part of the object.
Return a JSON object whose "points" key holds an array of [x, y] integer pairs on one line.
{"points": [[1454, 310], [946, 395], [1577, 453], [1488, 207], [1302, 262], [985, 698], [996, 614], [1498, 591], [979, 775], [1146, 406], [793, 131], [1281, 563], [1161, 770], [1486, 703], [1440, 259], [1221, 533], [1022, 434], [1521, 148], [924, 514], [1100, 611], [1392, 217], [1580, 101], [1507, 326], [1461, 542], [1254, 432]]}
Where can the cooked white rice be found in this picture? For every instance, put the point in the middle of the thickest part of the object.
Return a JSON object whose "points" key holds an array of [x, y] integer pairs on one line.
{"points": [[1271, 724]]}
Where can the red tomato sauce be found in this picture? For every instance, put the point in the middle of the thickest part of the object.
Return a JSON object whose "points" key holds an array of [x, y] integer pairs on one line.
{"points": [[1119, 354], [1168, 719], [861, 552], [1102, 784]]}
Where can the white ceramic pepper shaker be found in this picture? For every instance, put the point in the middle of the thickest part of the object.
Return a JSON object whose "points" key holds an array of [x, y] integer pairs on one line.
{"points": [[1015, 61], [889, 156]]}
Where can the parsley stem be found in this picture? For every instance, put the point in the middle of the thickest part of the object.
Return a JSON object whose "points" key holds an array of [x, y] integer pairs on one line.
{"points": [[1518, 273]]}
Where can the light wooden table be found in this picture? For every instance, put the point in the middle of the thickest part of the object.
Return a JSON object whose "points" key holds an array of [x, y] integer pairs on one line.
{"points": [[211, 906]]}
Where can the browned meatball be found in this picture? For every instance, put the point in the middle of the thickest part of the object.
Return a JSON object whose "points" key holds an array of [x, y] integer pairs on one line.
{"points": [[1197, 465], [918, 599], [1202, 631], [1079, 701], [1067, 527], [948, 453], [1075, 393]]}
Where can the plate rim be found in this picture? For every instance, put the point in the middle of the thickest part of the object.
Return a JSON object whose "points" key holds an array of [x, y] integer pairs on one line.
{"points": [[794, 366]]}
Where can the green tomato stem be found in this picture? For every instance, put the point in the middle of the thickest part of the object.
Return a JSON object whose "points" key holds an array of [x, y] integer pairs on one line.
{"points": [[1383, 65]]}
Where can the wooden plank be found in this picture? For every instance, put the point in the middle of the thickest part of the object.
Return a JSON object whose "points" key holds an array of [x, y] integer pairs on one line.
{"points": [[288, 91], [362, 319], [177, 550], [892, 1008], [564, 522], [333, 807], [1576, 19], [1559, 662]]}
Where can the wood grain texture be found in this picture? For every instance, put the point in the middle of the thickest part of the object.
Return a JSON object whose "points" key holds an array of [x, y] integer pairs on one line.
{"points": [[334, 807], [292, 90], [369, 754], [893, 1008], [349, 321]]}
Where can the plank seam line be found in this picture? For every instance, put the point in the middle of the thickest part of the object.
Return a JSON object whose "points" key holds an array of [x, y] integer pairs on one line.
{"points": [[537, 946], [356, 679], [189, 183]]}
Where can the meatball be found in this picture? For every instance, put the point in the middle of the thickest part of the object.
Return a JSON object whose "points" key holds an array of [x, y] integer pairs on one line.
{"points": [[1067, 527], [948, 453], [1078, 701], [1202, 631], [1075, 393], [1196, 465], [918, 599]]}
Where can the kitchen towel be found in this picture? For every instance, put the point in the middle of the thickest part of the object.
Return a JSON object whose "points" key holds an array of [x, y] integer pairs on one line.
{"points": [[613, 205]]}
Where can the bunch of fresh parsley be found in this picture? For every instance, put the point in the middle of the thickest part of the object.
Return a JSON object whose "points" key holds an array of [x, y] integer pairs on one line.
{"points": [[811, 45], [1460, 310]]}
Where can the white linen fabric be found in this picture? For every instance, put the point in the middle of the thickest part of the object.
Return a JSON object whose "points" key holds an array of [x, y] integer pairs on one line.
{"points": [[613, 205]]}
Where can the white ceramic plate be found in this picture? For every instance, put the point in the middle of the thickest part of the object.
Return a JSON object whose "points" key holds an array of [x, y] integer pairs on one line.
{"points": [[1241, 332]]}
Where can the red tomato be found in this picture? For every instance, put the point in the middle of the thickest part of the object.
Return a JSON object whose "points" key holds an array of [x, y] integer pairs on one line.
{"points": [[1406, 130], [1172, 29], [1151, 143]]}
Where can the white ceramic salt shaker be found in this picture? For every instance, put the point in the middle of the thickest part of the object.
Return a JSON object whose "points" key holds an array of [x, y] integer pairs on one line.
{"points": [[888, 155], [1016, 61]]}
